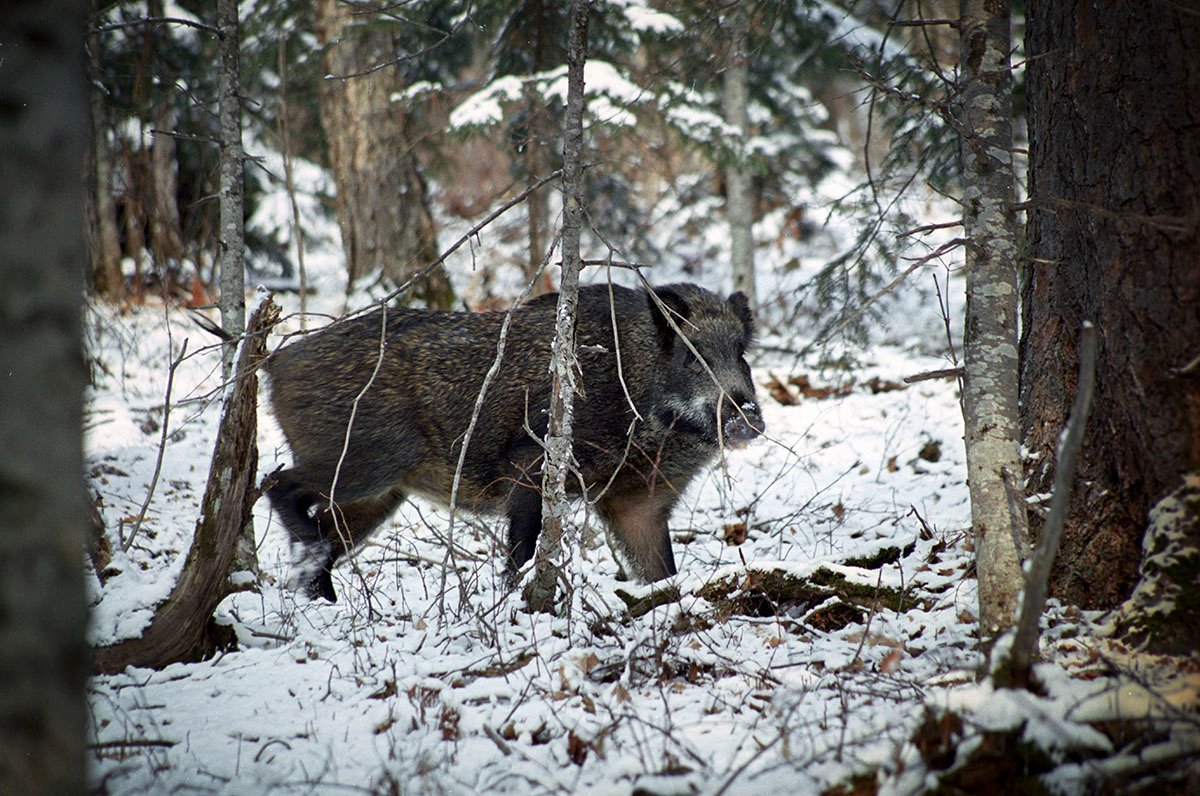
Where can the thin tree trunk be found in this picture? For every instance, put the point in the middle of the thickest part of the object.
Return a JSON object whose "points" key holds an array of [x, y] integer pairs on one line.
{"points": [[233, 233], [739, 198], [104, 241], [540, 594], [990, 371], [382, 198], [43, 507], [1114, 104], [285, 141], [233, 226], [166, 235], [535, 206]]}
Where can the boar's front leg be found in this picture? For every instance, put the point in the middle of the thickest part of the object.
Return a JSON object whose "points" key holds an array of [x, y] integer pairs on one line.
{"points": [[524, 510], [638, 523], [304, 510]]}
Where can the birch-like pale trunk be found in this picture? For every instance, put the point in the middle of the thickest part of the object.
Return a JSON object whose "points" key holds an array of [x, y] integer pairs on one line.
{"points": [[990, 384], [233, 227], [739, 199], [540, 593], [231, 198]]}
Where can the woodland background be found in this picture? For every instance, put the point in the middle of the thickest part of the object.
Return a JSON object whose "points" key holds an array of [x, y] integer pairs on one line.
{"points": [[956, 192]]}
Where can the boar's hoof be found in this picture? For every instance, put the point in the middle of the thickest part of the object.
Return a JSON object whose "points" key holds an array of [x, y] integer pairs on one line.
{"points": [[321, 586]]}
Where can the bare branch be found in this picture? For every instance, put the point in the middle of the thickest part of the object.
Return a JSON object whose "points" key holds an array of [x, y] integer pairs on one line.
{"points": [[162, 447], [929, 375], [1032, 606], [138, 23]]}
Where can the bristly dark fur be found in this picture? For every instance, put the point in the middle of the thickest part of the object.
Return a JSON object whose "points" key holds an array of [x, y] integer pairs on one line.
{"points": [[408, 428]]}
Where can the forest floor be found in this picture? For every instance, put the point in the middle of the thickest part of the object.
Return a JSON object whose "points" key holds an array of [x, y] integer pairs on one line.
{"points": [[825, 601]]}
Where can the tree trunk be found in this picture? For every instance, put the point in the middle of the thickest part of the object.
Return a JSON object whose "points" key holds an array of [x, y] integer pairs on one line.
{"points": [[43, 508], [538, 144], [233, 226], [739, 197], [382, 199], [182, 628], [990, 369], [104, 241], [1114, 121], [563, 362], [166, 235], [233, 231]]}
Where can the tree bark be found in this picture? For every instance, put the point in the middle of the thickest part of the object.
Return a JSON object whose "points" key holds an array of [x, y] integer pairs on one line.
{"points": [[538, 144], [540, 593], [232, 200], [1114, 120], [382, 198], [43, 507], [990, 345], [182, 628], [166, 234], [104, 241], [233, 223], [739, 197]]}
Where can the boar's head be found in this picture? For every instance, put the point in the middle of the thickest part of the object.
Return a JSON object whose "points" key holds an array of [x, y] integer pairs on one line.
{"points": [[706, 389]]}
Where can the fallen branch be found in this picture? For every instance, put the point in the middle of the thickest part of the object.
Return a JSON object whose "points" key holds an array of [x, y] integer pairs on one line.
{"points": [[640, 606], [1034, 603]]}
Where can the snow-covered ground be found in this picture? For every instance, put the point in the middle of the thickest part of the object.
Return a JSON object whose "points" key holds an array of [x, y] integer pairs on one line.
{"points": [[428, 677]]}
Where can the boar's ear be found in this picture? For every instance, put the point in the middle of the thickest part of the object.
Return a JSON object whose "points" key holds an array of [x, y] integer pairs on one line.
{"points": [[741, 308], [678, 310]]}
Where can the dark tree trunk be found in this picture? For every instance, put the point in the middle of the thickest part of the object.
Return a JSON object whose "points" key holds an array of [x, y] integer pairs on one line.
{"points": [[1114, 120], [382, 199], [43, 511]]}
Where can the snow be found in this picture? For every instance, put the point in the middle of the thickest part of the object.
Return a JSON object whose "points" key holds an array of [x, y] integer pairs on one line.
{"points": [[608, 95], [428, 677]]}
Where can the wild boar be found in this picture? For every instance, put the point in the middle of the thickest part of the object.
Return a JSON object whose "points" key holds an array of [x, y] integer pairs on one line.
{"points": [[648, 417]]}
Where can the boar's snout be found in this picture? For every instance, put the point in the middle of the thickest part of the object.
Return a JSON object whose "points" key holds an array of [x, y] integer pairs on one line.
{"points": [[743, 423]]}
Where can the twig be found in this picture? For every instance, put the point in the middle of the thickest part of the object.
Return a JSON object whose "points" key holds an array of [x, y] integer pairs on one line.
{"points": [[495, 738], [501, 344], [867, 628], [345, 535], [162, 447], [1032, 606], [895, 283], [944, 306], [137, 23], [930, 228], [130, 743], [915, 23], [472, 232], [944, 373]]}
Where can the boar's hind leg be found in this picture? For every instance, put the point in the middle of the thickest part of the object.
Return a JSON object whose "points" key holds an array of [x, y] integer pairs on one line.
{"points": [[638, 523], [524, 511]]}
